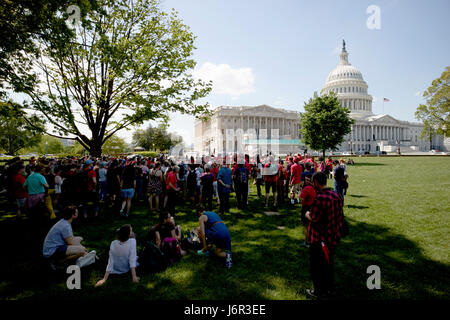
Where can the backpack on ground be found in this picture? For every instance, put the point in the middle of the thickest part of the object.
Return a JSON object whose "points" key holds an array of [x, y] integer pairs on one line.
{"points": [[191, 241], [151, 259]]}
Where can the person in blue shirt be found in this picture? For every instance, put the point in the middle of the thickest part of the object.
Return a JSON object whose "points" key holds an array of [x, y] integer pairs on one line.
{"points": [[36, 185], [224, 188], [60, 245], [213, 230]]}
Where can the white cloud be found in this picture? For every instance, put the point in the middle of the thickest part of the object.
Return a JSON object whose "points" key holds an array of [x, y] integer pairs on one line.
{"points": [[227, 80]]}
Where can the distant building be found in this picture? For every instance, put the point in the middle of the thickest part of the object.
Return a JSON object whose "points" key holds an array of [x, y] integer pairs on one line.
{"points": [[372, 132], [67, 142], [251, 130]]}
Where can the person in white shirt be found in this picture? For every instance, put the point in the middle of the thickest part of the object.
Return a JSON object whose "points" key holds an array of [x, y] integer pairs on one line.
{"points": [[122, 255]]}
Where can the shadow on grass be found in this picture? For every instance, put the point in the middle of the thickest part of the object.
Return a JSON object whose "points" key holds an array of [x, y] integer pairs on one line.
{"points": [[351, 206], [268, 263], [357, 196], [368, 164]]}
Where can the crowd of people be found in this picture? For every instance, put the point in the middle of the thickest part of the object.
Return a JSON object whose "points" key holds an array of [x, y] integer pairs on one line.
{"points": [[67, 187]]}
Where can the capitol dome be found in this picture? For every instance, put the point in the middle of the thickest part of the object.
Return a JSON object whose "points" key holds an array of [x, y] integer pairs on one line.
{"points": [[347, 82]]}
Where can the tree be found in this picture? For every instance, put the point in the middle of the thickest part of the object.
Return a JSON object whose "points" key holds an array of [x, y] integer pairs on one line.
{"points": [[435, 114], [156, 138], [23, 23], [325, 122], [130, 64], [15, 131], [47, 145], [115, 145]]}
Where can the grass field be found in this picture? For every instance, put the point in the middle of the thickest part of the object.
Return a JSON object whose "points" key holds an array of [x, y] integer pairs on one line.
{"points": [[398, 209]]}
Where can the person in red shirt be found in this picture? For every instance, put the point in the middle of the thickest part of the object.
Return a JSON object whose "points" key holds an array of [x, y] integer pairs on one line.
{"points": [[282, 177], [20, 193], [307, 197], [172, 189], [295, 183], [91, 194], [214, 170], [325, 230]]}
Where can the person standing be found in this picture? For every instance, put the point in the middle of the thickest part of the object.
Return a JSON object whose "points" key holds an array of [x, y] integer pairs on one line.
{"points": [[339, 178], [36, 185], [207, 182], [259, 176], [241, 175], [224, 185], [172, 189], [128, 186], [295, 182], [324, 233], [20, 193], [270, 179]]}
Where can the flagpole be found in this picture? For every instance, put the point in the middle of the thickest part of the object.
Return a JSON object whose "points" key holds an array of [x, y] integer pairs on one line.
{"points": [[383, 105]]}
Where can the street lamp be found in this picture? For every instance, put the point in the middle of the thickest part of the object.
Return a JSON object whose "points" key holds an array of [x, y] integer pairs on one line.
{"points": [[398, 147], [350, 144]]}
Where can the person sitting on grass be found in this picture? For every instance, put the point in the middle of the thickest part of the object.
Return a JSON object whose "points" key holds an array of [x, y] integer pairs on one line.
{"points": [[166, 231], [213, 229], [122, 255], [60, 245]]}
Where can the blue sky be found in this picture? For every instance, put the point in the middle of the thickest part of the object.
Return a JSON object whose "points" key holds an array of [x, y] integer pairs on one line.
{"points": [[279, 52]]}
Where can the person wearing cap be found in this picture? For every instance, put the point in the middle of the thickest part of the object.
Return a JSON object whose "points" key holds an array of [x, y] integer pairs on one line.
{"points": [[270, 179], [295, 182]]}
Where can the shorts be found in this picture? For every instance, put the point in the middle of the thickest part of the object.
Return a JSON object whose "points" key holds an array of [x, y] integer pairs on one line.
{"points": [[128, 193], [305, 208], [60, 252], [296, 188], [21, 202], [272, 185]]}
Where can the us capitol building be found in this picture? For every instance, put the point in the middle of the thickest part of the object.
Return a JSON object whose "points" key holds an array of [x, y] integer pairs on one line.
{"points": [[256, 127]]}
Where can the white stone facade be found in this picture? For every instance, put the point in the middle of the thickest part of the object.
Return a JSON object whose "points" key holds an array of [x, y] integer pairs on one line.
{"points": [[252, 130], [371, 132]]}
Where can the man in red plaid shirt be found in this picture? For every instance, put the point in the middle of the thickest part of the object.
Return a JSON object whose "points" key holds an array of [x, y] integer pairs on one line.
{"points": [[324, 233]]}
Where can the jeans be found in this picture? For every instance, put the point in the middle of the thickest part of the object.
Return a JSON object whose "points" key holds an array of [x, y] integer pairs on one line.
{"points": [[322, 272], [224, 205]]}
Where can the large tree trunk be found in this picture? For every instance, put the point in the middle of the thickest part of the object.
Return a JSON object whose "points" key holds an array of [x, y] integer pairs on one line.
{"points": [[323, 154], [95, 148]]}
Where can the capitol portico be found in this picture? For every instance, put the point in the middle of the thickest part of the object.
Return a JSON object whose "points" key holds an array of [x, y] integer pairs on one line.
{"points": [[370, 132], [263, 129]]}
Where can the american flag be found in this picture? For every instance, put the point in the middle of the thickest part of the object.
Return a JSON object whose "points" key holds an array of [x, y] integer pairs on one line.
{"points": [[386, 100]]}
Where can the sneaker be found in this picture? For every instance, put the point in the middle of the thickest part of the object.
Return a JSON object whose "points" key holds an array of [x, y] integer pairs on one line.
{"points": [[228, 261], [203, 253], [311, 293], [292, 201], [121, 212]]}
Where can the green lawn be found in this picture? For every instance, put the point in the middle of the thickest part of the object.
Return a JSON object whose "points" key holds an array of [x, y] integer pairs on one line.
{"points": [[399, 215]]}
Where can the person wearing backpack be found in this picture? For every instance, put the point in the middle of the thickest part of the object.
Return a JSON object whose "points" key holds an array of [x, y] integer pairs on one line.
{"points": [[241, 175], [122, 255]]}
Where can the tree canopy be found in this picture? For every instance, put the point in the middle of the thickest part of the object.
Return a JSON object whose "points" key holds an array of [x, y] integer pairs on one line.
{"points": [[155, 138], [23, 24], [435, 114], [324, 123], [130, 63], [15, 129]]}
